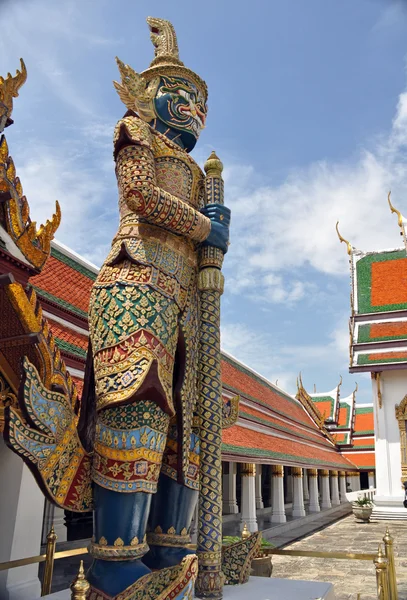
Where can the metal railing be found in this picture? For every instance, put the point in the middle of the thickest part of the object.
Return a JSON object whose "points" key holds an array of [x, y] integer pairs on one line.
{"points": [[49, 558], [383, 561]]}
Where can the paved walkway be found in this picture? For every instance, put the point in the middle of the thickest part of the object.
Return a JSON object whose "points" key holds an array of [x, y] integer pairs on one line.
{"points": [[350, 577]]}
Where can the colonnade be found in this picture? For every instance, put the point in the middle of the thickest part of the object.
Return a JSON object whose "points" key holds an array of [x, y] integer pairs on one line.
{"points": [[294, 489]]}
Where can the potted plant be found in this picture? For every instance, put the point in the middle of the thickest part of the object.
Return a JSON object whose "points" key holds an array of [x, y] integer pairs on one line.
{"points": [[362, 509]]}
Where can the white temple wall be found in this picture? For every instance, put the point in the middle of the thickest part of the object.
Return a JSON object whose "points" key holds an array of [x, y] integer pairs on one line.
{"points": [[21, 515], [389, 492]]}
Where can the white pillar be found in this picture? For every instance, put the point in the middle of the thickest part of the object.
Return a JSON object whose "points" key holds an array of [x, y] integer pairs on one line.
{"points": [[313, 491], [298, 493], [278, 511], [325, 496], [21, 514], [356, 482], [249, 497], [229, 503], [334, 489], [342, 486], [259, 497], [305, 484], [371, 479]]}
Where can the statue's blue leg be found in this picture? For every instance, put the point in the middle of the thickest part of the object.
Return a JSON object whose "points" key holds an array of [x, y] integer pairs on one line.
{"points": [[120, 522], [129, 444], [171, 514], [173, 505]]}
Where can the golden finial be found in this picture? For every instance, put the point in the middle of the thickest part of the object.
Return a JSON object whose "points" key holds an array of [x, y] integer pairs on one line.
{"points": [[341, 239], [213, 166], [245, 532], [394, 210], [340, 382], [79, 586], [165, 42], [8, 90]]}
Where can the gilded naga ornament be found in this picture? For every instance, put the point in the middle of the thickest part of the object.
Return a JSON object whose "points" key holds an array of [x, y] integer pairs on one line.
{"points": [[151, 413]]}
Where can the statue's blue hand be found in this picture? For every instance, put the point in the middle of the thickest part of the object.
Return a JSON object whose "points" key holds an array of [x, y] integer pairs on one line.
{"points": [[220, 220]]}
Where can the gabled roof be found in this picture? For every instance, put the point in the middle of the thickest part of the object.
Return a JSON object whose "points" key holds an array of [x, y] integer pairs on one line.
{"points": [[378, 324]]}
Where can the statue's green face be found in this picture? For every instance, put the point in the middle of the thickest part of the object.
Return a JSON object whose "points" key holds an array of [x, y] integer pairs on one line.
{"points": [[181, 105]]}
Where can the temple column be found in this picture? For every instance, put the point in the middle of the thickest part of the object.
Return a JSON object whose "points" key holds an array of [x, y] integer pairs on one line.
{"points": [[342, 486], [248, 507], [259, 497], [278, 512], [325, 496], [356, 482], [298, 492], [229, 503], [371, 479], [313, 491], [334, 489], [349, 480], [305, 484]]}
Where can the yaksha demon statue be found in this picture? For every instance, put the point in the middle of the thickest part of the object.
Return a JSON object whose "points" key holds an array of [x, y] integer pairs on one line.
{"points": [[139, 414], [144, 324]]}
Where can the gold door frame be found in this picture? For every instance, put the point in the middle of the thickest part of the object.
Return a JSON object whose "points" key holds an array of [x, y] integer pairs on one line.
{"points": [[401, 416]]}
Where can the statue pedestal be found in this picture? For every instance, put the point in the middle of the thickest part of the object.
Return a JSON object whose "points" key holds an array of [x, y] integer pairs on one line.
{"points": [[261, 588]]}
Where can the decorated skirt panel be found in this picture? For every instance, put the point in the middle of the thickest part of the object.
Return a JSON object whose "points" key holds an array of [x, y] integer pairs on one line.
{"points": [[129, 445], [132, 327], [170, 458]]}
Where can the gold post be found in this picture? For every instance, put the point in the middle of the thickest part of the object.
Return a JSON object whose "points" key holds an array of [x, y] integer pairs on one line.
{"points": [[49, 562], [381, 565], [389, 552], [79, 586]]}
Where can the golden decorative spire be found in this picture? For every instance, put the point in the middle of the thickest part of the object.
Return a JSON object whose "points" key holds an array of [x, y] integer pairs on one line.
{"points": [[80, 586], [165, 42], [394, 210], [341, 239], [8, 90]]}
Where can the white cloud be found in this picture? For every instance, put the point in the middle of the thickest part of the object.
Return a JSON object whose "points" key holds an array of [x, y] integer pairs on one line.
{"points": [[277, 230]]}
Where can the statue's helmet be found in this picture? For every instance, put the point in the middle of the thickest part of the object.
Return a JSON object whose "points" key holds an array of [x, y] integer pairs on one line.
{"points": [[167, 91]]}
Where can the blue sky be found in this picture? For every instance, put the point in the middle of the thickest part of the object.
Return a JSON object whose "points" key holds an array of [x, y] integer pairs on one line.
{"points": [[307, 110]]}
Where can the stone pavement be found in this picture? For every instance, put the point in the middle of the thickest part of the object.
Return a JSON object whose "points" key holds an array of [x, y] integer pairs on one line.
{"points": [[349, 577]]}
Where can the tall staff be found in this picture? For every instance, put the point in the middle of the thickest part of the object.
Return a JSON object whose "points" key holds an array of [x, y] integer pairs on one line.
{"points": [[210, 284]]}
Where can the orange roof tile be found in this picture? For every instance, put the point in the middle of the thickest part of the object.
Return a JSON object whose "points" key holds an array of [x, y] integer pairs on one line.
{"points": [[362, 460], [64, 282], [239, 440]]}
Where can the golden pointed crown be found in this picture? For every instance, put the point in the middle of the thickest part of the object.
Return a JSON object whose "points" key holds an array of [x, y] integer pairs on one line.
{"points": [[137, 90], [9, 89]]}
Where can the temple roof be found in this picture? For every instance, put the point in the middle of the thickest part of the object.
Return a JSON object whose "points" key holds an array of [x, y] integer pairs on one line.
{"points": [[378, 324]]}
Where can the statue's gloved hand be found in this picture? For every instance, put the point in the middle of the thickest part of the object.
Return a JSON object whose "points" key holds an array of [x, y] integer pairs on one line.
{"points": [[220, 221]]}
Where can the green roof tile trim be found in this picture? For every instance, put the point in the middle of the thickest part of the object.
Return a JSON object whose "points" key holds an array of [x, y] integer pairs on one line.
{"points": [[61, 302], [364, 432], [364, 281], [73, 264], [363, 359], [71, 348], [275, 426], [364, 336], [364, 410], [257, 453], [274, 410]]}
